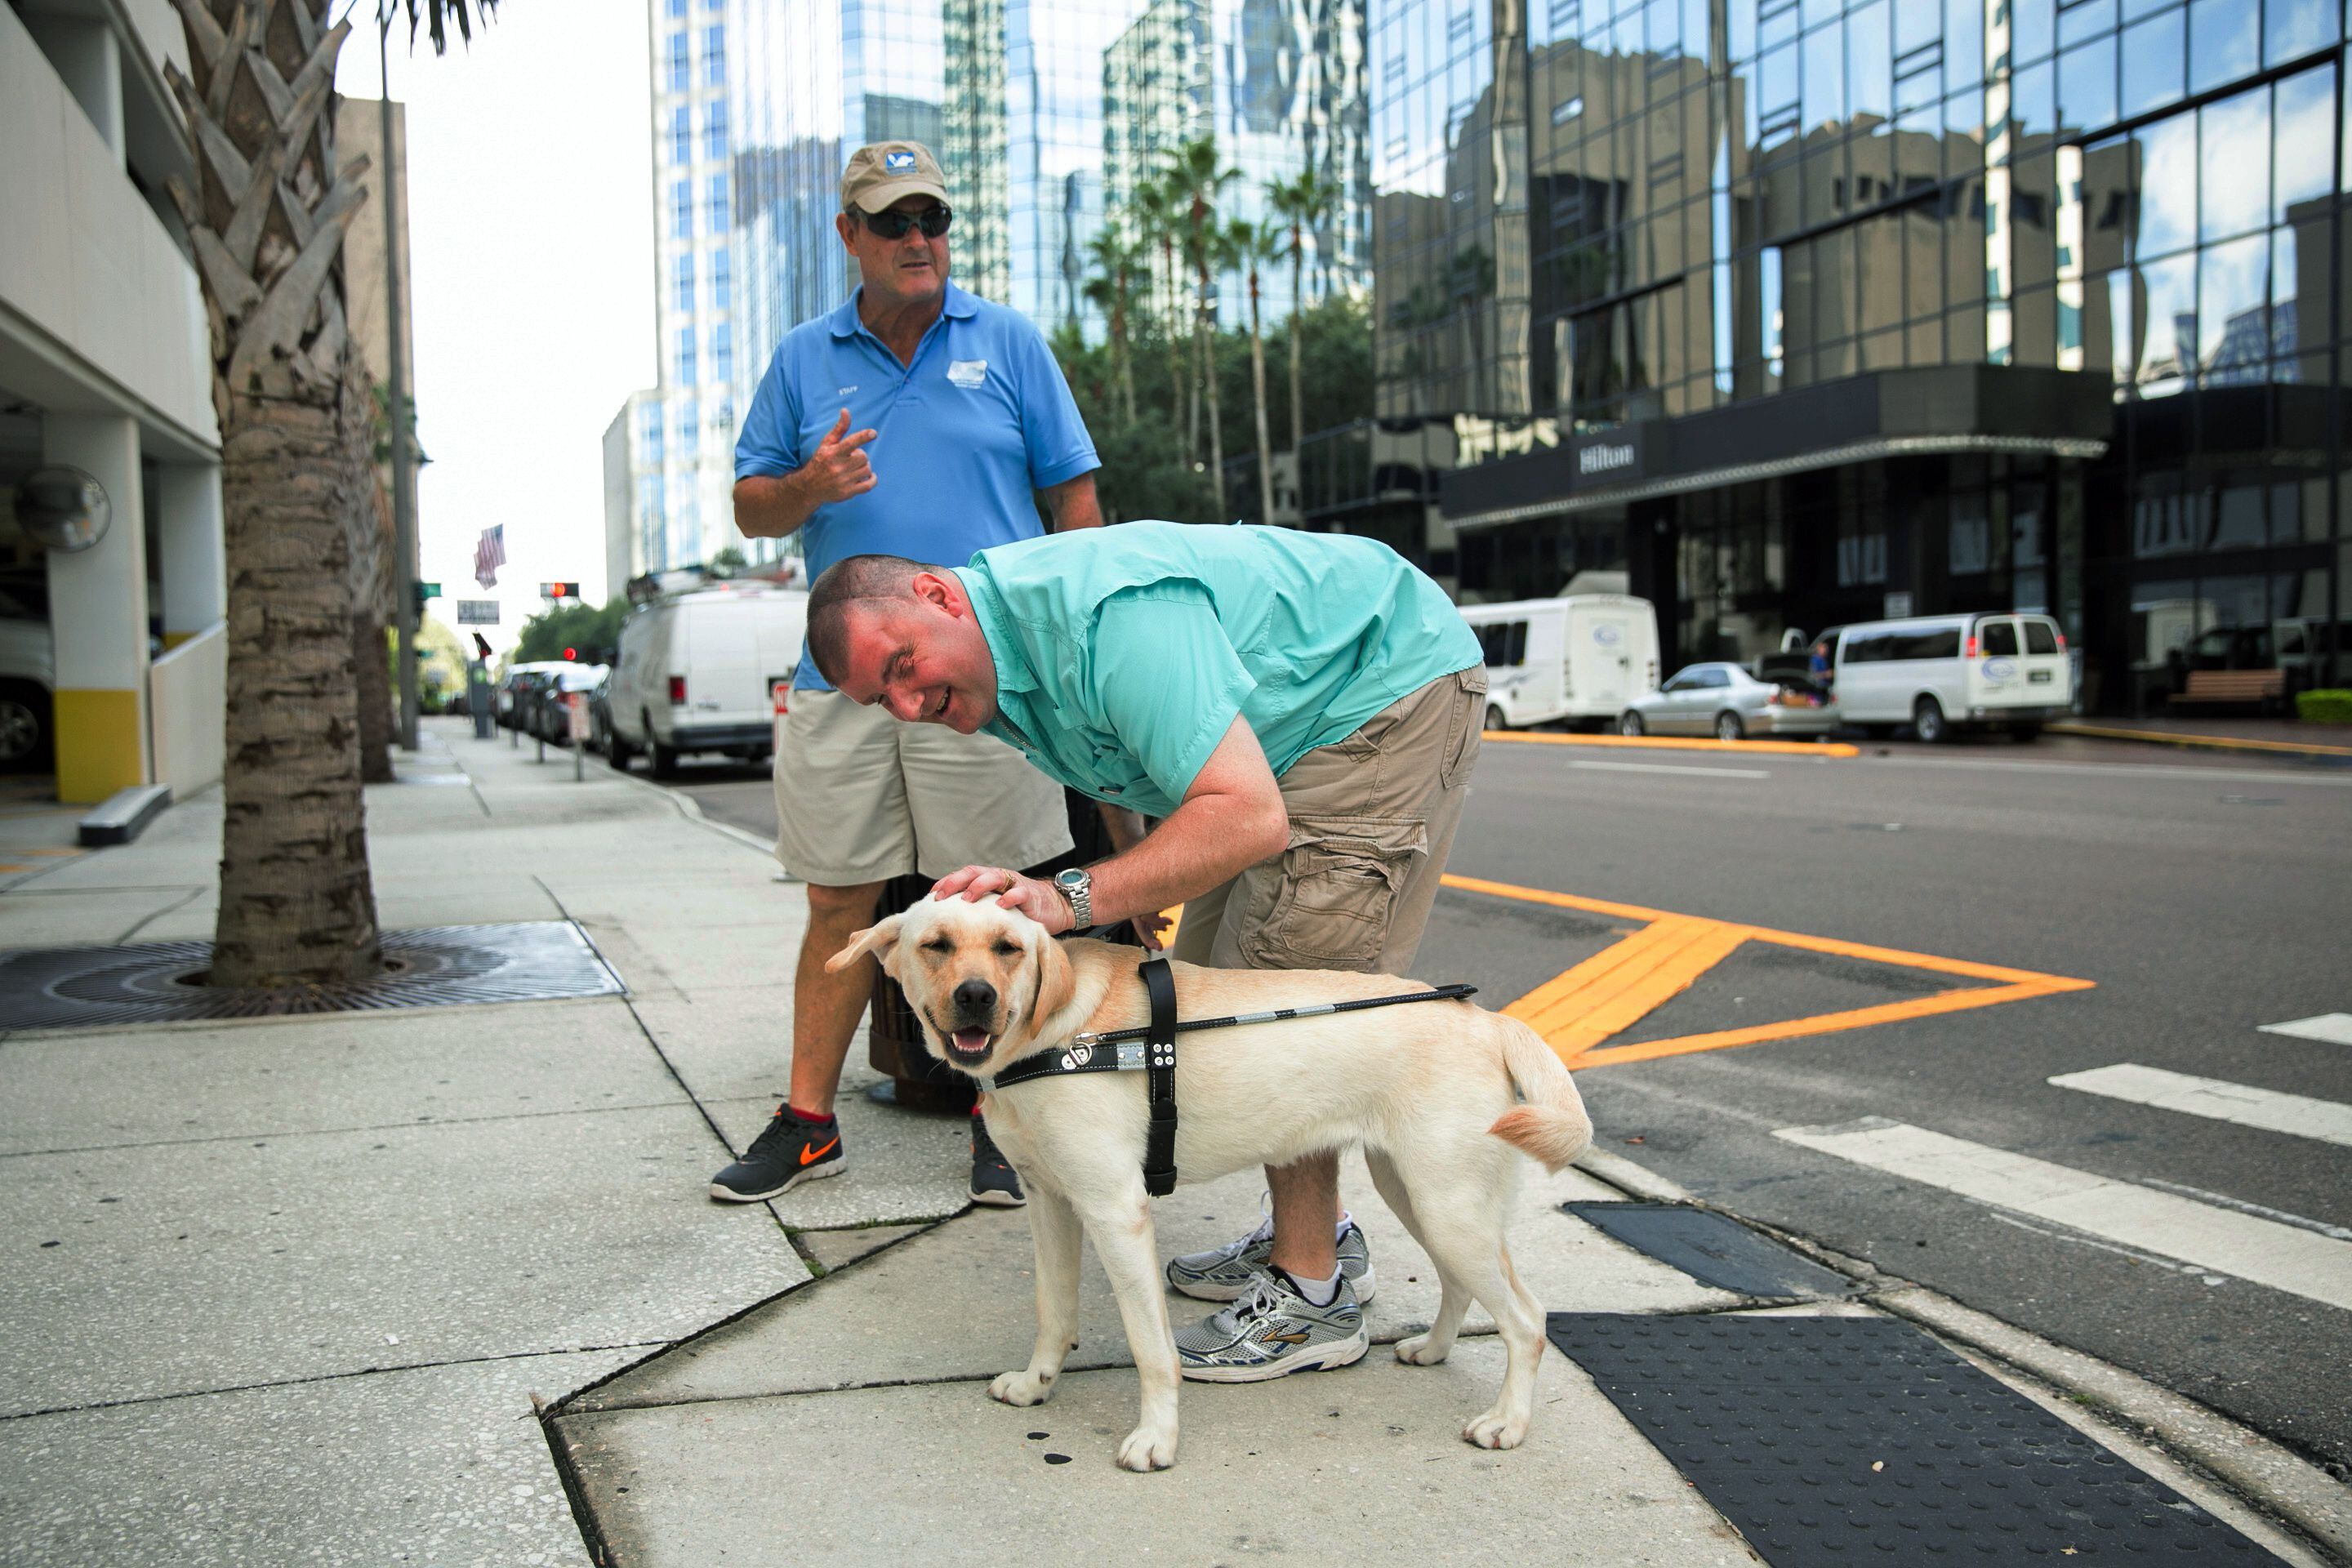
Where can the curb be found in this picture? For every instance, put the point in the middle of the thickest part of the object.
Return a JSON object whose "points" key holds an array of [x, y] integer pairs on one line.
{"points": [[2237, 1459], [691, 809], [2204, 742]]}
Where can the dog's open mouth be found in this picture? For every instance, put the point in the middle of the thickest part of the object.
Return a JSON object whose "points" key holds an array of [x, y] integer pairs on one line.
{"points": [[968, 1045]]}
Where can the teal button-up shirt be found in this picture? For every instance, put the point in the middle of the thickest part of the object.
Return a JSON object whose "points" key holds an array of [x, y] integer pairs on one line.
{"points": [[1123, 655]]}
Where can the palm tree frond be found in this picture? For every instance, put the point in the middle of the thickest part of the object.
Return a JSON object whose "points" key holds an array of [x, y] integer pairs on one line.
{"points": [[435, 16]]}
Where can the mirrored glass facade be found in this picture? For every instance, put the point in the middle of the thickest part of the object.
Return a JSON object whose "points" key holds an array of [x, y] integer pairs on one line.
{"points": [[1799, 312]]}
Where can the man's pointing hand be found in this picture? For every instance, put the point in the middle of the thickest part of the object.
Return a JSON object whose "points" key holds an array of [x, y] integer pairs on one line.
{"points": [[840, 469]]}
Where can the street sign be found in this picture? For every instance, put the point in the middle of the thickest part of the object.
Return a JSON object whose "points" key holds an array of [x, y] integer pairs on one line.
{"points": [[478, 612], [576, 706], [428, 590]]}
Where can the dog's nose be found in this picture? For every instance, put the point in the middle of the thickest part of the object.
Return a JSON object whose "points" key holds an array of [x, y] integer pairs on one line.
{"points": [[975, 996]]}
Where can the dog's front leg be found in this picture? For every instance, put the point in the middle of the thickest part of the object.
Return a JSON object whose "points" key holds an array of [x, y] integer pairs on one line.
{"points": [[1125, 1242], [1053, 1229]]}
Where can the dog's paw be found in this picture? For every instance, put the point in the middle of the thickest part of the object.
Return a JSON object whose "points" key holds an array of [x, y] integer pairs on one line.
{"points": [[1145, 1450], [1497, 1430], [1023, 1387], [1418, 1352]]}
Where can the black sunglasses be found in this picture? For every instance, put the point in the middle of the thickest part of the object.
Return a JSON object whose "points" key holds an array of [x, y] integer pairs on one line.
{"points": [[894, 224]]}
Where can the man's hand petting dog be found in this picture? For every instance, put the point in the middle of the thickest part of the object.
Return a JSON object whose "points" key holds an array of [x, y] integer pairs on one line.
{"points": [[1038, 899]]}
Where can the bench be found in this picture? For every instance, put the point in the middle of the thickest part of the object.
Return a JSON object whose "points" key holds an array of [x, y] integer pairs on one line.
{"points": [[2263, 689]]}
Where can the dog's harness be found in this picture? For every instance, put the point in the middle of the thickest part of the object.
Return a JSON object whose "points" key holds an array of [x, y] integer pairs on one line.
{"points": [[1152, 1051]]}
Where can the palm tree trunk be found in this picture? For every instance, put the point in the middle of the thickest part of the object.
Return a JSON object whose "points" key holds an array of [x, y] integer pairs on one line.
{"points": [[1175, 366], [1205, 336], [1126, 352], [375, 719], [1257, 379], [266, 217], [1298, 304]]}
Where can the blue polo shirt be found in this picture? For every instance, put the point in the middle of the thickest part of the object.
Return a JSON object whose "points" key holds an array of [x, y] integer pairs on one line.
{"points": [[964, 435]]}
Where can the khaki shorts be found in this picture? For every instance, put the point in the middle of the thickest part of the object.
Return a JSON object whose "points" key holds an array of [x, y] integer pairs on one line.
{"points": [[1372, 821], [862, 797]]}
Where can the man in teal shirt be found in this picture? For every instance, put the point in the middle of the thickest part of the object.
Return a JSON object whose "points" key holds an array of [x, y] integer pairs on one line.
{"points": [[1300, 710]]}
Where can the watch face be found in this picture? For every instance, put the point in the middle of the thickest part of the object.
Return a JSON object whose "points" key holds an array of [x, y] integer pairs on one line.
{"points": [[1073, 878]]}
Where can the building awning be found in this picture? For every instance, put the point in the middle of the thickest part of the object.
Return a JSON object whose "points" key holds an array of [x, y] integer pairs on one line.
{"points": [[1945, 410]]}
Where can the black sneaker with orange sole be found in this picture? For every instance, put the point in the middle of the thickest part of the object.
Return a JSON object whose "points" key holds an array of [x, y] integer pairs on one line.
{"points": [[787, 1152]]}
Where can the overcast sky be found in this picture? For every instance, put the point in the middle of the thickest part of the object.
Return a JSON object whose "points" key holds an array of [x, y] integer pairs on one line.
{"points": [[531, 231]]}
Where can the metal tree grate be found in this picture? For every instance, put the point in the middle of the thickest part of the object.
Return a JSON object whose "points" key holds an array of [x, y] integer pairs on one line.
{"points": [[438, 966]]}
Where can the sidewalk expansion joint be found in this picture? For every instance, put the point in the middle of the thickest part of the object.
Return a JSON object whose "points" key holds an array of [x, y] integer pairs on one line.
{"points": [[355, 1373], [266, 1134]]}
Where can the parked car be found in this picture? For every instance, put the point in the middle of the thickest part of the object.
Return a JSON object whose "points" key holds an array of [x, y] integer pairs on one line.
{"points": [[1581, 657], [600, 711], [1943, 673], [696, 668], [555, 699], [28, 679], [507, 706], [1726, 701]]}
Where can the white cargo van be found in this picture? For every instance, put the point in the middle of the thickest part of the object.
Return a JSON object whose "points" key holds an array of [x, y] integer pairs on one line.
{"points": [[1582, 658], [1941, 673], [694, 672]]}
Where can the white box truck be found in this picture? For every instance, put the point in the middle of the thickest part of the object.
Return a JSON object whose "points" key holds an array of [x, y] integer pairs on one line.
{"points": [[1581, 657]]}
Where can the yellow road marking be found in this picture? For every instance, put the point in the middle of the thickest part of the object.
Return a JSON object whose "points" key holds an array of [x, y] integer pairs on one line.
{"points": [[6, 868], [2219, 742], [1580, 1009], [46, 852], [1678, 743]]}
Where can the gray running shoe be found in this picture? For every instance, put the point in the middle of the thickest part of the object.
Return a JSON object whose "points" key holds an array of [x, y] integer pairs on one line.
{"points": [[1271, 1331], [1223, 1273]]}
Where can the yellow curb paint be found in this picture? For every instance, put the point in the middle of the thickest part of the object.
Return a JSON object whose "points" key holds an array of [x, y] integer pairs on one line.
{"points": [[1679, 744], [1582, 1008], [2218, 742], [101, 745], [47, 852]]}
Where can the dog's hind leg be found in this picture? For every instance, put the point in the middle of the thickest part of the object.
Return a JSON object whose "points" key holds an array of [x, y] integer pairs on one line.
{"points": [[1053, 1230], [1124, 1242], [1463, 1225], [1424, 1348]]}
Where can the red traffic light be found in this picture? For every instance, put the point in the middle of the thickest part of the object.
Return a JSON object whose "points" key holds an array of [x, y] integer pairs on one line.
{"points": [[571, 653], [559, 590]]}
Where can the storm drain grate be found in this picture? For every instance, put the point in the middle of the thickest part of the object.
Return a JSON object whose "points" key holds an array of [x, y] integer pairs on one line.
{"points": [[85, 987], [1845, 1440], [1714, 1249]]}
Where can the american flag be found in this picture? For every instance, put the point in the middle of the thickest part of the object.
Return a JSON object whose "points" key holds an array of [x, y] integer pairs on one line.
{"points": [[489, 554]]}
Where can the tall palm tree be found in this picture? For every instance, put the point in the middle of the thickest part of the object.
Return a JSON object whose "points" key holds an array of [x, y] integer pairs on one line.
{"points": [[1194, 171], [1305, 204], [265, 215], [1159, 221], [1114, 258], [1249, 244]]}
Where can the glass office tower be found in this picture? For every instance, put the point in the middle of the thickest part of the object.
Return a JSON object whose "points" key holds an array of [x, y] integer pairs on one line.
{"points": [[1795, 313], [1280, 85]]}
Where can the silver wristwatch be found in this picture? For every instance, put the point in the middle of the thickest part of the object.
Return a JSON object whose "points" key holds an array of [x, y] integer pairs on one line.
{"points": [[1077, 886]]}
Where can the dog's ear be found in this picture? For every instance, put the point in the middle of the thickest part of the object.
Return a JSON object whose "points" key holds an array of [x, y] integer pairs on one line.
{"points": [[1057, 981], [878, 939]]}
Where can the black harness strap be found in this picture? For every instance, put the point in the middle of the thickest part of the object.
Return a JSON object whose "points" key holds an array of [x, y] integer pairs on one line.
{"points": [[1118, 1050], [1159, 1077]]}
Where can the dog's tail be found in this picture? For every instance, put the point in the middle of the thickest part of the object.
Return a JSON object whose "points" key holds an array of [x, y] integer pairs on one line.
{"points": [[1551, 1127]]}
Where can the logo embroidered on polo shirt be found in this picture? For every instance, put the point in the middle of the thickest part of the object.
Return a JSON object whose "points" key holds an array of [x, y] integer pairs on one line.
{"points": [[968, 373]]}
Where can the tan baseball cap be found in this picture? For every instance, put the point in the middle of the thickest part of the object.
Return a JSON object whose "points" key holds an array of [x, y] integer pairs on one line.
{"points": [[882, 173]]}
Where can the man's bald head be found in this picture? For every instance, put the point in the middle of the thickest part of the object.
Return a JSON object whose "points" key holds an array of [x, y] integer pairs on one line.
{"points": [[875, 581]]}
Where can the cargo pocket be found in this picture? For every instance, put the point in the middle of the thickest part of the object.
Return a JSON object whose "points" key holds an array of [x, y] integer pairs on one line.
{"points": [[1340, 878]]}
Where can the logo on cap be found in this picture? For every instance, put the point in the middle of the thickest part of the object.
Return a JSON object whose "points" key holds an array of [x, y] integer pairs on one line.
{"points": [[898, 162]]}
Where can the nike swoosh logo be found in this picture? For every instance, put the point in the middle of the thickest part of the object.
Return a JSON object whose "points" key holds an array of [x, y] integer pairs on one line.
{"points": [[811, 1156]]}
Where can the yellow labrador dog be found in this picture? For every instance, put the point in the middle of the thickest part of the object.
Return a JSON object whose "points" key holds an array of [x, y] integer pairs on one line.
{"points": [[1444, 1098]]}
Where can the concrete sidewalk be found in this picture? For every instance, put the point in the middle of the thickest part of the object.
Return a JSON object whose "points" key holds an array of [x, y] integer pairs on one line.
{"points": [[289, 1290]]}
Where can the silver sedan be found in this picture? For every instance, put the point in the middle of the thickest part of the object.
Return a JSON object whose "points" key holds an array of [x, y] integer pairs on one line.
{"points": [[1726, 701]]}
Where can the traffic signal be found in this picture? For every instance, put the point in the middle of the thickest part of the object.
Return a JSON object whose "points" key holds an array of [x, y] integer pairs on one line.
{"points": [[559, 590], [571, 653]]}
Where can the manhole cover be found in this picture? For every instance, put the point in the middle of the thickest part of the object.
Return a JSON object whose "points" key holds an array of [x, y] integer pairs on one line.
{"points": [[80, 987]]}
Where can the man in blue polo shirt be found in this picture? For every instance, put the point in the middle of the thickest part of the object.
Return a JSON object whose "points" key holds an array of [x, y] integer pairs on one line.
{"points": [[920, 421], [1302, 710]]}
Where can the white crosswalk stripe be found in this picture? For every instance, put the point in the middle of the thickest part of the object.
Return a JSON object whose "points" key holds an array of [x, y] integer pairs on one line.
{"points": [[2335, 1029], [2301, 1262], [2215, 1099]]}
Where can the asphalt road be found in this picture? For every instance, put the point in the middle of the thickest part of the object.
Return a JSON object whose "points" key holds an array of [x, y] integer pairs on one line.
{"points": [[2201, 897]]}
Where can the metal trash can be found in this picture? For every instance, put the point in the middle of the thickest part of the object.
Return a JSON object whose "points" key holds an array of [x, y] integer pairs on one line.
{"points": [[894, 1043]]}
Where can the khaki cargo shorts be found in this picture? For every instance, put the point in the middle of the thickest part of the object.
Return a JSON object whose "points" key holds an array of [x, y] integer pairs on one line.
{"points": [[861, 797], [1372, 821]]}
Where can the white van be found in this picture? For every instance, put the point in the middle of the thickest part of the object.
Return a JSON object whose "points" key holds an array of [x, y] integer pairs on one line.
{"points": [[1581, 657], [1939, 673], [696, 669]]}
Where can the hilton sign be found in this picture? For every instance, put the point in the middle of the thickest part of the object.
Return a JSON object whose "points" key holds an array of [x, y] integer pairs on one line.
{"points": [[1604, 457]]}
